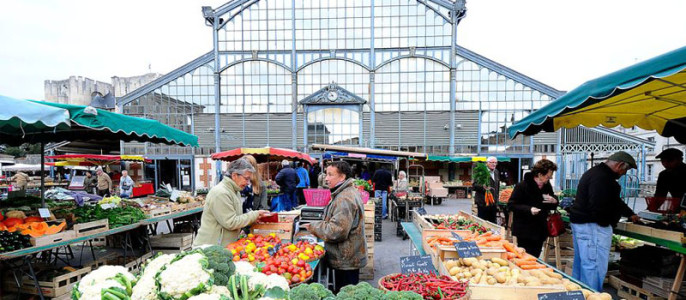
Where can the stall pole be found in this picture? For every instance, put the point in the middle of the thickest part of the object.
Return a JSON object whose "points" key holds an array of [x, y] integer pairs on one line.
{"points": [[42, 174]]}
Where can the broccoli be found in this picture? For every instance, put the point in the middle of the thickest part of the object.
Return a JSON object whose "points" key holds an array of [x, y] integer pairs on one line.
{"points": [[361, 291], [220, 261], [403, 295], [313, 291]]}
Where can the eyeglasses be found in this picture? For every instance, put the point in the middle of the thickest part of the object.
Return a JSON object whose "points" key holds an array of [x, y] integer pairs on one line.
{"points": [[247, 177]]}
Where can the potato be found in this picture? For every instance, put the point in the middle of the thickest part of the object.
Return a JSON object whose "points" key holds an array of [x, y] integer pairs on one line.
{"points": [[449, 264], [491, 280], [606, 296], [586, 293], [572, 287], [500, 278], [469, 261], [477, 278], [500, 261], [552, 274], [474, 272], [594, 296], [534, 283], [454, 270]]}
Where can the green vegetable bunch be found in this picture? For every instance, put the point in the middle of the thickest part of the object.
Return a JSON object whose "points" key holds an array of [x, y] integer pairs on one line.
{"points": [[481, 175], [361, 182], [312, 291], [220, 261], [360, 291], [117, 217]]}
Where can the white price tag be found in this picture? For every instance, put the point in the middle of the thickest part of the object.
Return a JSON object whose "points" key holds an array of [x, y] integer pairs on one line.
{"points": [[174, 195], [108, 206], [44, 213]]}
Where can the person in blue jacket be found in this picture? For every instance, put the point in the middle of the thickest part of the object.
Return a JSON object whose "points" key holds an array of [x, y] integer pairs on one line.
{"points": [[304, 177]]}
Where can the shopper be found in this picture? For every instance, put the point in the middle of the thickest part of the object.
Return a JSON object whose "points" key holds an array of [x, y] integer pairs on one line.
{"points": [[484, 211], [596, 209], [673, 179], [303, 182], [530, 203], [222, 217], [343, 227], [90, 183], [104, 185], [21, 180], [401, 184], [256, 190], [383, 180], [322, 180], [125, 185], [364, 174], [288, 180]]}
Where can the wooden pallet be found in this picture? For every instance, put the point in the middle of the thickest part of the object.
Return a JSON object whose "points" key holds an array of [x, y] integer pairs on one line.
{"points": [[53, 238], [158, 212], [84, 229], [170, 250], [171, 240], [629, 291], [58, 286]]}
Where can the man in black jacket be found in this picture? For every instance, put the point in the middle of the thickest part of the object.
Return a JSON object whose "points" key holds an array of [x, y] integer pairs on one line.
{"points": [[673, 179], [596, 209], [488, 212], [382, 180], [287, 179]]}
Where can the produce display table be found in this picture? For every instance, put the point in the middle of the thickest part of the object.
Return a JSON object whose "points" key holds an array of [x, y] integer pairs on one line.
{"points": [[671, 245]]}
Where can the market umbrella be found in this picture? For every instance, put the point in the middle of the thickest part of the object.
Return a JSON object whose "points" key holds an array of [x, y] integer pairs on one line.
{"points": [[19, 117], [93, 159], [264, 154], [650, 95]]}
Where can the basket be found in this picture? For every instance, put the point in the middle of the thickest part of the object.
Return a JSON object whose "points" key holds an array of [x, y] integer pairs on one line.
{"points": [[364, 195], [663, 204], [317, 197], [466, 296]]}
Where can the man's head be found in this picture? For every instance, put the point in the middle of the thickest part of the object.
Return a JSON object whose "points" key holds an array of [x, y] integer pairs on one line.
{"points": [[285, 163], [337, 171], [670, 158], [240, 171], [492, 162], [124, 173], [98, 171], [88, 174], [620, 162]]}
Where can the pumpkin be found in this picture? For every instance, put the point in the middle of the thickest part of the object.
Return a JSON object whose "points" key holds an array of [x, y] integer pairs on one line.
{"points": [[11, 222], [33, 219], [3, 227], [55, 228]]}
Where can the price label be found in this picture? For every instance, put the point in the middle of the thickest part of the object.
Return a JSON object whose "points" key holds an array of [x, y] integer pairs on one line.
{"points": [[44, 213], [457, 236], [467, 249], [421, 211], [417, 264], [571, 295]]}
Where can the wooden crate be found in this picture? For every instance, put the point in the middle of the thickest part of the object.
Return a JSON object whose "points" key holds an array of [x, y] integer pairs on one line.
{"points": [[171, 240], [631, 292], [171, 251], [133, 264], [283, 230], [178, 207], [158, 212], [58, 286], [53, 238], [84, 229], [653, 232], [498, 292]]}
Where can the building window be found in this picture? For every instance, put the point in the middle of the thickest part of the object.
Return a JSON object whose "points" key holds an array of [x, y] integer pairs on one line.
{"points": [[650, 171]]}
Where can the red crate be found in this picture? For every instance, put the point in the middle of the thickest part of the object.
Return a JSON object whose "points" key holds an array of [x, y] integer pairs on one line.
{"points": [[663, 204]]}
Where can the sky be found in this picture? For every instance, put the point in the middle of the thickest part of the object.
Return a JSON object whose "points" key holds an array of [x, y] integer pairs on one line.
{"points": [[560, 43]]}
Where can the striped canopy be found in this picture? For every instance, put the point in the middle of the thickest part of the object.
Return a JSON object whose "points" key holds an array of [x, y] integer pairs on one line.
{"points": [[264, 154]]}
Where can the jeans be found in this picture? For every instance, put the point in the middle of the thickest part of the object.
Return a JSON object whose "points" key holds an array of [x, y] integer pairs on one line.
{"points": [[591, 253], [384, 196], [289, 201]]}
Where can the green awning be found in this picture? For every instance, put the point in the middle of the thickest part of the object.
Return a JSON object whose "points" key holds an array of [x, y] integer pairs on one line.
{"points": [[650, 95], [460, 159]]}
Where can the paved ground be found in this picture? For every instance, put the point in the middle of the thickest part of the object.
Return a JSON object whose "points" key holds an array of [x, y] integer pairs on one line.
{"points": [[387, 253]]}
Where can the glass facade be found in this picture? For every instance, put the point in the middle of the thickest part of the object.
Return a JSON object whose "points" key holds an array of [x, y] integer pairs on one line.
{"points": [[396, 55]]}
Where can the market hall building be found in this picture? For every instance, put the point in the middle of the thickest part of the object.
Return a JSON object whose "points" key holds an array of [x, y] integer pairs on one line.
{"points": [[383, 74]]}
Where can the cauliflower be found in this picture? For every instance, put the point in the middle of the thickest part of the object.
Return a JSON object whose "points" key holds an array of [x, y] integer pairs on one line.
{"points": [[275, 280], [145, 289], [219, 290], [244, 268], [209, 297], [185, 276], [113, 282], [256, 280]]}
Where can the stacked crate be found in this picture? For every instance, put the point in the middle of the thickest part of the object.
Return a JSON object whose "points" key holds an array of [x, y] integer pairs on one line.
{"points": [[377, 218], [367, 273]]}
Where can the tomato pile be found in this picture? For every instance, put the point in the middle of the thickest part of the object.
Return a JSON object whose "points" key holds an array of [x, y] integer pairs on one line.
{"points": [[254, 247]]}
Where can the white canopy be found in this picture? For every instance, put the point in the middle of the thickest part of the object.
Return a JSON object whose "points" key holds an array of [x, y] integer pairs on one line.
{"points": [[25, 167]]}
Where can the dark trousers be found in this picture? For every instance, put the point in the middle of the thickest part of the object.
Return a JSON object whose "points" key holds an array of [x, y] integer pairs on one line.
{"points": [[104, 193], [301, 195], [532, 246], [345, 277], [487, 213]]}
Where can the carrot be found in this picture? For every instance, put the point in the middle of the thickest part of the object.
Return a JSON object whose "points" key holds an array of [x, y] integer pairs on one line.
{"points": [[529, 257], [509, 247], [493, 238], [523, 262], [532, 267]]}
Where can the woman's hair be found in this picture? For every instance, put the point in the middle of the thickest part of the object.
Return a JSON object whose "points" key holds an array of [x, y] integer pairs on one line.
{"points": [[256, 176], [402, 173], [542, 167], [342, 167], [239, 166]]}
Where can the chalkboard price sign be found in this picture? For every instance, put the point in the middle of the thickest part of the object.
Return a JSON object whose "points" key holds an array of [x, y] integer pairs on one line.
{"points": [[421, 211], [457, 236], [571, 295], [417, 264], [467, 249]]}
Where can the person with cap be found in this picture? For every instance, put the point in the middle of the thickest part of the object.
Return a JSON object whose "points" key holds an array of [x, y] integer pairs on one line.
{"points": [[104, 183], [596, 209], [673, 179], [287, 179], [222, 217]]}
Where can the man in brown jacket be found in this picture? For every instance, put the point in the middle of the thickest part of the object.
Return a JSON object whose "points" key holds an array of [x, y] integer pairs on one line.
{"points": [[343, 227], [21, 180], [104, 183]]}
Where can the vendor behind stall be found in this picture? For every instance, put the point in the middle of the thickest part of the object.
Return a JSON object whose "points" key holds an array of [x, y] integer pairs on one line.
{"points": [[343, 227], [90, 183], [222, 216], [21, 180], [104, 183], [673, 179], [125, 185]]}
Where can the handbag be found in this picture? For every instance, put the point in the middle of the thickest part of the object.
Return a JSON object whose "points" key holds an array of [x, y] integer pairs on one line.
{"points": [[556, 226]]}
